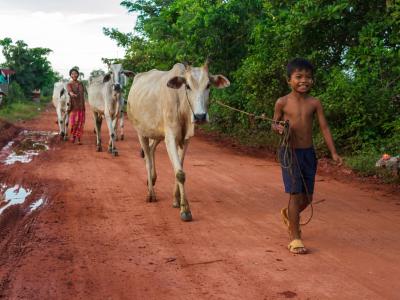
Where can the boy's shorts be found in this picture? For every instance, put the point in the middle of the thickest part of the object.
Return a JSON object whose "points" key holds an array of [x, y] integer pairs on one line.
{"points": [[298, 173]]}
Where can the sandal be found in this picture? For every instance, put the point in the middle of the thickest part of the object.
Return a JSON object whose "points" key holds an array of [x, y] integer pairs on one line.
{"points": [[297, 247], [285, 217]]}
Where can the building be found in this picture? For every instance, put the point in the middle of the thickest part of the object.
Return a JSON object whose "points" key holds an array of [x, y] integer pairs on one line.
{"points": [[5, 79]]}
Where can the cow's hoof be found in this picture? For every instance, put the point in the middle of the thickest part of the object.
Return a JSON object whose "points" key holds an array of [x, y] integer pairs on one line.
{"points": [[114, 153], [176, 204], [99, 149], [65, 138], [186, 216], [122, 137], [151, 198]]}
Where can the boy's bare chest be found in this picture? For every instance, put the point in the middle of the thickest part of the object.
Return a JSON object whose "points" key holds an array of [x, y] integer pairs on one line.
{"points": [[299, 111]]}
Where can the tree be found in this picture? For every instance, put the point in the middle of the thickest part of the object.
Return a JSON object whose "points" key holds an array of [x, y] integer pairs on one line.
{"points": [[33, 70], [96, 73], [355, 45]]}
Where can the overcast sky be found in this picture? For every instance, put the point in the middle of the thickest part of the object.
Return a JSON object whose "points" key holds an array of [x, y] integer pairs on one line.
{"points": [[72, 29]]}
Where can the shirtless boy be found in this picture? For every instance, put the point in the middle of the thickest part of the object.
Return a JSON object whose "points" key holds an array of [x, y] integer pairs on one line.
{"points": [[299, 109]]}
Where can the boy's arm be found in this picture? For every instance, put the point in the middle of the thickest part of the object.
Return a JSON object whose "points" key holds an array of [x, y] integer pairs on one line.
{"points": [[323, 124], [278, 114]]}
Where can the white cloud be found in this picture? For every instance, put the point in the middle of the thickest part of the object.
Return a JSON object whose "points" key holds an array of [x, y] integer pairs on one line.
{"points": [[76, 38]]}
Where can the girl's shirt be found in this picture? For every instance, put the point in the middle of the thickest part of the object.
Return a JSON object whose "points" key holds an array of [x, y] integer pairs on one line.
{"points": [[77, 102]]}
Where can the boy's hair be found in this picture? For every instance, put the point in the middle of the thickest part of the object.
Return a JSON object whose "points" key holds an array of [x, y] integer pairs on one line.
{"points": [[299, 64], [72, 70]]}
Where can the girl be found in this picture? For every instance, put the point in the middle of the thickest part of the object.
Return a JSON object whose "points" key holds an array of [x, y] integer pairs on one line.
{"points": [[77, 106]]}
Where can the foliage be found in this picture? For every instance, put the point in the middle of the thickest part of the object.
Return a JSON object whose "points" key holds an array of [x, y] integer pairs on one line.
{"points": [[33, 70], [15, 92], [354, 44], [96, 73]]}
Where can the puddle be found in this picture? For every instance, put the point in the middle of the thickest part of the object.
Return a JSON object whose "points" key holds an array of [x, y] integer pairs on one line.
{"points": [[12, 196], [17, 195], [35, 205], [25, 146]]}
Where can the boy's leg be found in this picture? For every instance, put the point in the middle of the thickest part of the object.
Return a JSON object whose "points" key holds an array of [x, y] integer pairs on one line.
{"points": [[296, 204], [305, 202]]}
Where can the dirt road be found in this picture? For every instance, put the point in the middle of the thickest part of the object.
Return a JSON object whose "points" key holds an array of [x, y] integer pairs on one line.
{"points": [[95, 237]]}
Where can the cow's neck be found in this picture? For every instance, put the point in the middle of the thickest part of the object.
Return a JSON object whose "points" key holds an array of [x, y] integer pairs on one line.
{"points": [[186, 117]]}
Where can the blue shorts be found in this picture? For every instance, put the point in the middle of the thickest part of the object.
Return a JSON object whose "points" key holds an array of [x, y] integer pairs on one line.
{"points": [[298, 172]]}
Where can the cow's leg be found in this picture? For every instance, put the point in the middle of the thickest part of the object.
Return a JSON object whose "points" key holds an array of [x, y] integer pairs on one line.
{"points": [[177, 194], [111, 144], [153, 146], [97, 128], [121, 123], [144, 142], [66, 120], [60, 121], [116, 129], [172, 149]]}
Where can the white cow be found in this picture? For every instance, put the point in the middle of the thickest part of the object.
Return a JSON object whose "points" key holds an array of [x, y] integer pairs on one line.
{"points": [[166, 105], [61, 102], [104, 95]]}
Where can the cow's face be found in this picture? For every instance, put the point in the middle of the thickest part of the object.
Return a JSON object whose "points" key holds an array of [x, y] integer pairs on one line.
{"points": [[116, 73], [118, 76], [197, 83]]}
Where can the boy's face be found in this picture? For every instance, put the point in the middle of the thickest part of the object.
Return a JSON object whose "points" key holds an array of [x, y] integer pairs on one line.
{"points": [[301, 81], [74, 75]]}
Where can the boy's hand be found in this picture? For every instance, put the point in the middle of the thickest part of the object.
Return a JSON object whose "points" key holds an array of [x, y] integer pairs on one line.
{"points": [[278, 128], [337, 159]]}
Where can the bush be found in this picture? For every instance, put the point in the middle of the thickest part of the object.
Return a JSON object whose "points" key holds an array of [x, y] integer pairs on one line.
{"points": [[15, 93]]}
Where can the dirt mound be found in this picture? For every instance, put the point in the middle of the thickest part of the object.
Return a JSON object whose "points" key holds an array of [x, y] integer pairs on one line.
{"points": [[7, 132]]}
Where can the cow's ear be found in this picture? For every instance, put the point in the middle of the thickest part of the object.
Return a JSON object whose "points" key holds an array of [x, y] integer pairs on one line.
{"points": [[219, 81], [107, 77], [62, 92], [176, 82], [129, 73]]}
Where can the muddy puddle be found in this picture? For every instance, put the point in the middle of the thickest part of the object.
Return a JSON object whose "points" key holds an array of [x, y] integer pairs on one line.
{"points": [[25, 146], [17, 195]]}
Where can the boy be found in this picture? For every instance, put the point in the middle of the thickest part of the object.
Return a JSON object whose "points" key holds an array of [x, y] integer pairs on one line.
{"points": [[77, 106], [298, 109]]}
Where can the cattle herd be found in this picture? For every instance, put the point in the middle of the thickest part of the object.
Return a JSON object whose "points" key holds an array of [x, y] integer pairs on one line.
{"points": [[162, 105]]}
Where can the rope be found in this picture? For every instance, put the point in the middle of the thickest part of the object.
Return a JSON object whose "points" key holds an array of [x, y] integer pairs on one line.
{"points": [[260, 117], [190, 106]]}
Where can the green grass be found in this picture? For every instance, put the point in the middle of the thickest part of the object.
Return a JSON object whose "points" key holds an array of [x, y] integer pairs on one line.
{"points": [[18, 110], [364, 165]]}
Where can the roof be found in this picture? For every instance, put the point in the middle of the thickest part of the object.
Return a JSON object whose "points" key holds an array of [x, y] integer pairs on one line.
{"points": [[7, 71]]}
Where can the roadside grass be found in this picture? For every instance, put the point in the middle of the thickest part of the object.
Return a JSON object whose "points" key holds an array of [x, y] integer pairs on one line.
{"points": [[18, 110], [364, 165]]}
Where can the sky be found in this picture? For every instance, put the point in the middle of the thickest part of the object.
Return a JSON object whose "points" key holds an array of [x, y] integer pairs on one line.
{"points": [[72, 29]]}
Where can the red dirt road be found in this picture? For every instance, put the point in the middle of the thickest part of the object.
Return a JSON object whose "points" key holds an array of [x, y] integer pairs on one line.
{"points": [[97, 238]]}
